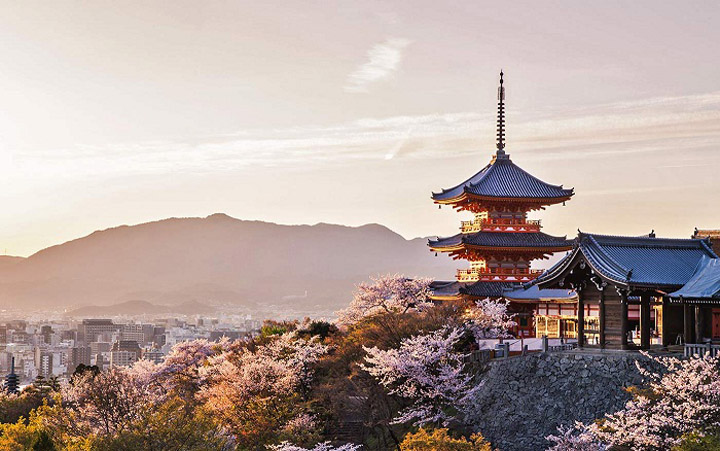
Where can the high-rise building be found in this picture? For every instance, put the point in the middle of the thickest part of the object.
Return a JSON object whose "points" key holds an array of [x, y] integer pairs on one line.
{"points": [[97, 330], [154, 355], [133, 332], [46, 332], [79, 355], [124, 353], [99, 347], [44, 362]]}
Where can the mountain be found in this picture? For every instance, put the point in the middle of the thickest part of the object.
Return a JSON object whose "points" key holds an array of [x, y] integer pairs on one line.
{"points": [[7, 261], [216, 260], [132, 308]]}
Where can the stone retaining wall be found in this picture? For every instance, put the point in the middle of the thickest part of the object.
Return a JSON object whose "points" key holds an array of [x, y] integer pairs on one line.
{"points": [[526, 398]]}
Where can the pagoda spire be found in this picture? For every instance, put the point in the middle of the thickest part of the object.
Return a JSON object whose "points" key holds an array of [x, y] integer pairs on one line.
{"points": [[501, 118]]}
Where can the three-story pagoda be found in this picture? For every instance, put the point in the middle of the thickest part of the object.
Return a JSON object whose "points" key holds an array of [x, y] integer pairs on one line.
{"points": [[501, 242]]}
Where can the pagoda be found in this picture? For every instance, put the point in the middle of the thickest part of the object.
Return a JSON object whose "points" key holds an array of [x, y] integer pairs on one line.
{"points": [[500, 242], [11, 380]]}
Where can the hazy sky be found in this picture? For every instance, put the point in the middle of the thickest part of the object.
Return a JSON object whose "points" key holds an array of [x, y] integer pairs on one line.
{"points": [[123, 112]]}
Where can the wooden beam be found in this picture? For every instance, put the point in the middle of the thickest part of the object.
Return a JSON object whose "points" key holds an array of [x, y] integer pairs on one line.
{"points": [[581, 318], [665, 322], [601, 313], [688, 323], [645, 321], [699, 324], [624, 320]]}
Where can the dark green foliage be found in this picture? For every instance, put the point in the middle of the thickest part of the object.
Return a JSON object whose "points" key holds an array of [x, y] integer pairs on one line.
{"points": [[43, 442], [271, 327], [696, 442], [82, 369], [322, 329]]}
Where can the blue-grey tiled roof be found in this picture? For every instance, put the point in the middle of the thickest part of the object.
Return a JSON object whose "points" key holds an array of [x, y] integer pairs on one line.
{"points": [[503, 178], [446, 288], [535, 293], [489, 289], [704, 283], [509, 290], [635, 261], [503, 239]]}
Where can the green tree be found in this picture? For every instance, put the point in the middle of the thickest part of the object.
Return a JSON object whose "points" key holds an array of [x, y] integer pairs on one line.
{"points": [[439, 439], [26, 435], [170, 427], [697, 442]]}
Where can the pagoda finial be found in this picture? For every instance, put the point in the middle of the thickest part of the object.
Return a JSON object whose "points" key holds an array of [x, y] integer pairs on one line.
{"points": [[501, 117]]}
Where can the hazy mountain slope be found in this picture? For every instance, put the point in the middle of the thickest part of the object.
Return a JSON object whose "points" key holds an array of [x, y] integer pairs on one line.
{"points": [[7, 261], [138, 308], [212, 260]]}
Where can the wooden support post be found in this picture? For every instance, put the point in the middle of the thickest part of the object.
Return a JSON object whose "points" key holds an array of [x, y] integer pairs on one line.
{"points": [[688, 324], [645, 321], [623, 320], [602, 318], [665, 314], [581, 319], [699, 324]]}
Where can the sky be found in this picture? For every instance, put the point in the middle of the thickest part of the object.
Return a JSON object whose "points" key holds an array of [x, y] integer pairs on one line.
{"points": [[348, 112]]}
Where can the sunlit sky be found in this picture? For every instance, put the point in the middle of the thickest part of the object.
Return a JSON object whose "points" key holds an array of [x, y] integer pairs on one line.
{"points": [[352, 112]]}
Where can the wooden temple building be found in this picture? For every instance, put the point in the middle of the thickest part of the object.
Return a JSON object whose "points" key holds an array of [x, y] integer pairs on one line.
{"points": [[500, 242], [667, 282]]}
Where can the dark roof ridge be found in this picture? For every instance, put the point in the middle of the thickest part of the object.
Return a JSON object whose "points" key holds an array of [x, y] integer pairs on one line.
{"points": [[643, 241], [502, 178], [467, 182], [708, 247], [508, 160], [618, 266], [500, 233]]}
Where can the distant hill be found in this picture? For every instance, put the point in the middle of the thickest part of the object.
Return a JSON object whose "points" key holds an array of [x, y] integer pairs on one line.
{"points": [[132, 308], [214, 260], [7, 261]]}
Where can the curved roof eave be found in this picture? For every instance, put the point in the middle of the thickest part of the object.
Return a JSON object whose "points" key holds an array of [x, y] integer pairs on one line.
{"points": [[459, 189], [524, 182], [562, 268]]}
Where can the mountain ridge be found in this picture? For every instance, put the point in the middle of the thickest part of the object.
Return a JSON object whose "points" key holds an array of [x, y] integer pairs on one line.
{"points": [[139, 307], [214, 260]]}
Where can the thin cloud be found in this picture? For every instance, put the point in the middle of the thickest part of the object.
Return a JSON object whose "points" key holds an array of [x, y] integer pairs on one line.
{"points": [[651, 126], [383, 61]]}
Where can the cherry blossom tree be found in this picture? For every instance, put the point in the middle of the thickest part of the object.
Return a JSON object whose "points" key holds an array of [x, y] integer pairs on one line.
{"points": [[387, 294], [682, 399], [489, 319], [106, 403], [180, 370], [427, 370], [259, 393], [577, 438], [297, 354], [325, 446]]}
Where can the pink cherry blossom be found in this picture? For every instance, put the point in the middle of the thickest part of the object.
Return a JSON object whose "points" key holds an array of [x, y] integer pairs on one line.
{"points": [[683, 398], [489, 319], [427, 370], [286, 446], [387, 294]]}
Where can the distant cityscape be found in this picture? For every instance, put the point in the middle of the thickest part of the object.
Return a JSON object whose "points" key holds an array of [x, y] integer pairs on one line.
{"points": [[54, 349]]}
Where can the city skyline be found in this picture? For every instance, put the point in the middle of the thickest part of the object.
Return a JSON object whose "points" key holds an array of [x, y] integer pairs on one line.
{"points": [[125, 114]]}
